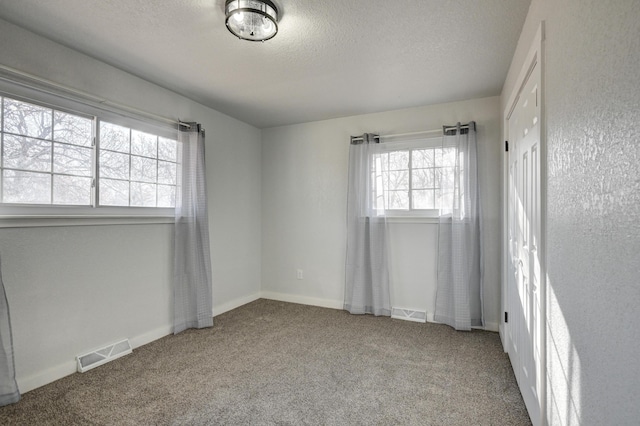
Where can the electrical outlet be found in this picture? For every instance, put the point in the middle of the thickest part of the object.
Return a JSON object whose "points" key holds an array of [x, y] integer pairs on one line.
{"points": [[300, 274]]}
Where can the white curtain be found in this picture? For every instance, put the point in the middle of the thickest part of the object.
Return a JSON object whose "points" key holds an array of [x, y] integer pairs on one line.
{"points": [[459, 292], [9, 392], [367, 268], [192, 261]]}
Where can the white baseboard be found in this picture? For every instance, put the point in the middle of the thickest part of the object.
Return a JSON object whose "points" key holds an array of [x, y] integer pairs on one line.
{"points": [[26, 384], [338, 304], [492, 326], [503, 337], [150, 336], [488, 326], [236, 303], [303, 300]]}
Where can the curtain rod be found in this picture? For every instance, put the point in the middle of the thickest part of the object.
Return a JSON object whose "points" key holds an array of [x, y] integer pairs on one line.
{"points": [[78, 95], [422, 132]]}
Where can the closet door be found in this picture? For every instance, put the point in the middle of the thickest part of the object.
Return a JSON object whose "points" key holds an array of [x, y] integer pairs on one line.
{"points": [[525, 281]]}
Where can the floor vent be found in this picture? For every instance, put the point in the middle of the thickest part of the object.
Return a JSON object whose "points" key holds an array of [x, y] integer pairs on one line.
{"points": [[409, 314], [103, 355]]}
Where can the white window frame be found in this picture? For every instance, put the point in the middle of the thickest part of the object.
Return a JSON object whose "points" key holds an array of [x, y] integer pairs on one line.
{"points": [[409, 144], [52, 142], [28, 215], [130, 154]]}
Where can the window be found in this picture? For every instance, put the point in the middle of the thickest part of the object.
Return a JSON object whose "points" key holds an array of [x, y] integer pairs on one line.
{"points": [[136, 168], [407, 177], [55, 157], [46, 155]]}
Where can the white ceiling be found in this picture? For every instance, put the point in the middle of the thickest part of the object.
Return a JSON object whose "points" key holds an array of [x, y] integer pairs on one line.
{"points": [[329, 59]]}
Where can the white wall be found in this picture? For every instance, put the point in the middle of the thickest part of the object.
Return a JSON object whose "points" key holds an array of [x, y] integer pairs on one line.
{"points": [[304, 184], [593, 238], [72, 289]]}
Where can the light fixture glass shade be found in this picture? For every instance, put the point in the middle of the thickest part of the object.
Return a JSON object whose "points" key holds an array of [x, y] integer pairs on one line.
{"points": [[253, 20]]}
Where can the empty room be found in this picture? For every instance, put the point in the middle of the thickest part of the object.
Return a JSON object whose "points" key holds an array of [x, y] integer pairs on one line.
{"points": [[285, 212]]}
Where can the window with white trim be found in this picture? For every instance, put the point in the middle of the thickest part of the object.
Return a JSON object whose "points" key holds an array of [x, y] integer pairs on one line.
{"points": [[136, 168], [52, 156], [407, 177]]}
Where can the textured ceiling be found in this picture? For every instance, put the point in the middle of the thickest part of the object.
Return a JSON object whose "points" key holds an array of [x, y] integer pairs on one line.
{"points": [[330, 58]]}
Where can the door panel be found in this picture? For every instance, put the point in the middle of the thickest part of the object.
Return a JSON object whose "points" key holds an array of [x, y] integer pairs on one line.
{"points": [[523, 271]]}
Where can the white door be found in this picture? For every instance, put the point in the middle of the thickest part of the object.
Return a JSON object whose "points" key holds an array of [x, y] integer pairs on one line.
{"points": [[524, 302]]}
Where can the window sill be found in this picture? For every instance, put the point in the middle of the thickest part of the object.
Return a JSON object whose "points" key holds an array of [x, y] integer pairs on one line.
{"points": [[36, 221], [413, 219]]}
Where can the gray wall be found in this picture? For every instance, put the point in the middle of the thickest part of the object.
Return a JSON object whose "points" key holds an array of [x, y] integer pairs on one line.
{"points": [[592, 110], [72, 289], [304, 187]]}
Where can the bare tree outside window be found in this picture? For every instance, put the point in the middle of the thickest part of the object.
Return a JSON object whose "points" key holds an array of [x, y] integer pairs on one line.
{"points": [[411, 180], [46, 155], [136, 168], [47, 158]]}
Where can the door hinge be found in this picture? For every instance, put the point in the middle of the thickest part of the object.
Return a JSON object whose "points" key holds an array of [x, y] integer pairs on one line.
{"points": [[506, 317], [506, 146]]}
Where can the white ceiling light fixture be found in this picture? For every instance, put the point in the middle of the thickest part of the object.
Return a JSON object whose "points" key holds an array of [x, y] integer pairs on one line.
{"points": [[253, 20]]}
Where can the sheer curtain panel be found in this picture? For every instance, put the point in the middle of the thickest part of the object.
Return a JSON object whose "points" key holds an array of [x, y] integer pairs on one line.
{"points": [[9, 392], [367, 268], [192, 261], [459, 292]]}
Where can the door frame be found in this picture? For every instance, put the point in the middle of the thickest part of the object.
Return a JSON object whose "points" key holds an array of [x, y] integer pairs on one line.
{"points": [[535, 55]]}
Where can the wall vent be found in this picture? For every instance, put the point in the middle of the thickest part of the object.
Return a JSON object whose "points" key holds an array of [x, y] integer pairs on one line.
{"points": [[409, 314], [103, 355]]}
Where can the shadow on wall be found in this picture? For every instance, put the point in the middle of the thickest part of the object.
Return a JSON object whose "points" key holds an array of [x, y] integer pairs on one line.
{"points": [[592, 343], [563, 397]]}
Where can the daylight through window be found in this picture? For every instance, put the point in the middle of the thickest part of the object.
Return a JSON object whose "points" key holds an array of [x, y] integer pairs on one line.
{"points": [[50, 156], [409, 181], [136, 168]]}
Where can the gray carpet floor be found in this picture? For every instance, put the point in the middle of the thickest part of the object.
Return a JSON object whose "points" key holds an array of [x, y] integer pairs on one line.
{"points": [[275, 363]]}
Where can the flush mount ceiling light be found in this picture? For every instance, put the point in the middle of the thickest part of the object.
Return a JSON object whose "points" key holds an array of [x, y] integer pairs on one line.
{"points": [[253, 20]]}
